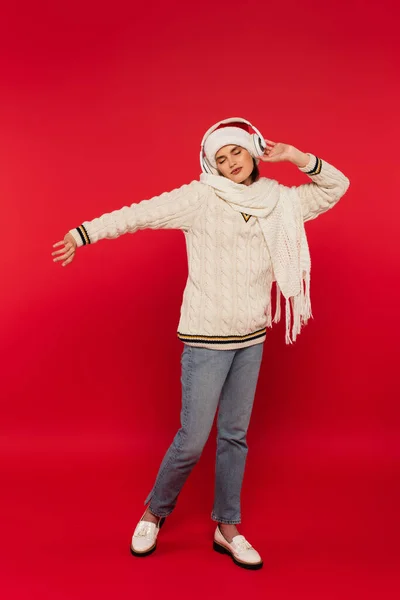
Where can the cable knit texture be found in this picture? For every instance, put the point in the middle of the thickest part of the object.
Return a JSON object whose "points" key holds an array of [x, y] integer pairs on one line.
{"points": [[279, 212], [227, 299]]}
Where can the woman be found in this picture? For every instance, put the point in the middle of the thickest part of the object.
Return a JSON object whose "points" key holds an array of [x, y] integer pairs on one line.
{"points": [[243, 233]]}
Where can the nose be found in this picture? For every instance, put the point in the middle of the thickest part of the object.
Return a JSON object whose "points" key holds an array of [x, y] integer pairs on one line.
{"points": [[232, 161]]}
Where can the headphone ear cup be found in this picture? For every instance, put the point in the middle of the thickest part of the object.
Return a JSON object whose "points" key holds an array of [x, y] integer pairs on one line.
{"points": [[207, 168], [259, 144], [203, 164]]}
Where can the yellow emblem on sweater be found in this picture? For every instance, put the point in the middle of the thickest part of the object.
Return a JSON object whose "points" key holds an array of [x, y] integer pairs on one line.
{"points": [[245, 216]]}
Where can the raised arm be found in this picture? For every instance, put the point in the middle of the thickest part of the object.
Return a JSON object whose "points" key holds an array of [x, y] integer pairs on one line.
{"points": [[327, 187], [328, 183]]}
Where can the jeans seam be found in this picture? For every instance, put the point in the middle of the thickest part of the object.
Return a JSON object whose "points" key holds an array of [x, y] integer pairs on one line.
{"points": [[174, 450], [244, 447]]}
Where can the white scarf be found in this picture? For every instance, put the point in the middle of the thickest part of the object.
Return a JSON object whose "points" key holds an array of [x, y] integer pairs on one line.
{"points": [[278, 210]]}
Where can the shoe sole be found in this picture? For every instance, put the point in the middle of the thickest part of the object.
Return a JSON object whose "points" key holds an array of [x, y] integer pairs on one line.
{"points": [[142, 554], [222, 550], [151, 550]]}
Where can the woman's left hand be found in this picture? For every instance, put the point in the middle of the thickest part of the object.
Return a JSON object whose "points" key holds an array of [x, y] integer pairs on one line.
{"points": [[278, 152]]}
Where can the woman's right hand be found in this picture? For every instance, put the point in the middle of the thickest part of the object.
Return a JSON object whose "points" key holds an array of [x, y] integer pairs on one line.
{"points": [[67, 252]]}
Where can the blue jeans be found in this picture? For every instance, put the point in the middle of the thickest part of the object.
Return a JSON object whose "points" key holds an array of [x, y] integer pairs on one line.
{"points": [[210, 379]]}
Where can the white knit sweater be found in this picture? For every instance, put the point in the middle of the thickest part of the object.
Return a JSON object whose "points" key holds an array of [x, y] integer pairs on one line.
{"points": [[227, 295]]}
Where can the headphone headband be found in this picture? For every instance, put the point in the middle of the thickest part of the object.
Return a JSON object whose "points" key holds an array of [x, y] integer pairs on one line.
{"points": [[225, 122]]}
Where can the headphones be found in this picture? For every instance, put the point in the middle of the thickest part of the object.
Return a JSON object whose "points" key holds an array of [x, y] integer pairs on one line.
{"points": [[257, 140]]}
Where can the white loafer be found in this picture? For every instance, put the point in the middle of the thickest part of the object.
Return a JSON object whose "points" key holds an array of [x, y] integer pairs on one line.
{"points": [[144, 539], [241, 551]]}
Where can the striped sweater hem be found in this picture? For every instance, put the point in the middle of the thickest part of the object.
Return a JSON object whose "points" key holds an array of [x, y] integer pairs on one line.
{"points": [[221, 339]]}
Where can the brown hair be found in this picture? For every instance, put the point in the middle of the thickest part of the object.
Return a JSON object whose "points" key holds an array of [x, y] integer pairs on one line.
{"points": [[255, 174]]}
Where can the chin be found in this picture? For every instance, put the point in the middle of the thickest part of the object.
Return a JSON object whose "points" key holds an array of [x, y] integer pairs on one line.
{"points": [[243, 178]]}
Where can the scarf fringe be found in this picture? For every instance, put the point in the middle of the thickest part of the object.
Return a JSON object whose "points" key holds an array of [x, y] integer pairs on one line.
{"points": [[288, 315], [297, 309], [269, 314], [277, 316]]}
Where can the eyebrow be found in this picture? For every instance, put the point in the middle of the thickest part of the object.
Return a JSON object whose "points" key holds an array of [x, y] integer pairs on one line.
{"points": [[224, 155]]}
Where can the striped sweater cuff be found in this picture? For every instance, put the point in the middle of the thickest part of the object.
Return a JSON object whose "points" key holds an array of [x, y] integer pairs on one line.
{"points": [[313, 167], [80, 235]]}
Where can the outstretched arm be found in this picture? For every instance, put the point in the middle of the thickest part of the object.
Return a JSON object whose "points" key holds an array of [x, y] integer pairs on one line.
{"points": [[328, 183], [170, 210]]}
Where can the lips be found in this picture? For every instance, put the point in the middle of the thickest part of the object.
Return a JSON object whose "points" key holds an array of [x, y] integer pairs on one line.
{"points": [[236, 171]]}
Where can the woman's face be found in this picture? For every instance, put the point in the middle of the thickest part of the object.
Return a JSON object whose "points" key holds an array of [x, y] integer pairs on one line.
{"points": [[235, 163]]}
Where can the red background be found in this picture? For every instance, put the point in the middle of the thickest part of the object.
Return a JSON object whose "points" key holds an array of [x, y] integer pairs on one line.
{"points": [[103, 104]]}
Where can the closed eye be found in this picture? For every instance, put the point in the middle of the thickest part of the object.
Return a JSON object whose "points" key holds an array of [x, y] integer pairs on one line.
{"points": [[221, 160]]}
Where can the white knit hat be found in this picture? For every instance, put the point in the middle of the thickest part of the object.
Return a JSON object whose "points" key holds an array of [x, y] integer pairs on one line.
{"points": [[228, 136]]}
